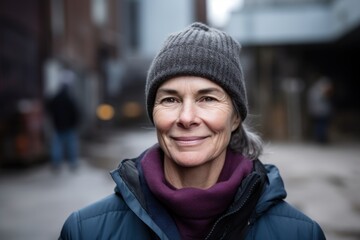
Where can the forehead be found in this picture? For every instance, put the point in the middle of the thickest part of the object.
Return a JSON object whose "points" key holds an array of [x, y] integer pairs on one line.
{"points": [[191, 81]]}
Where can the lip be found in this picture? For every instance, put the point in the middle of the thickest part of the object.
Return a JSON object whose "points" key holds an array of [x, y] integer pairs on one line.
{"points": [[189, 140]]}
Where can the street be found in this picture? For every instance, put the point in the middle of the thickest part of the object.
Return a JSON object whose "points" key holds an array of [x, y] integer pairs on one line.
{"points": [[322, 181]]}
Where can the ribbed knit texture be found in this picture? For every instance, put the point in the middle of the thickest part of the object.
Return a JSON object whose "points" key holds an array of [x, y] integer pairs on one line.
{"points": [[199, 51]]}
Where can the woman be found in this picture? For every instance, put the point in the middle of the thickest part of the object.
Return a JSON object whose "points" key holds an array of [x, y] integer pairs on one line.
{"points": [[202, 180]]}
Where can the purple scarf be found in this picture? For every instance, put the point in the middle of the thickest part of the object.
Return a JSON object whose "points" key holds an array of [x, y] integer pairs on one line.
{"points": [[195, 210]]}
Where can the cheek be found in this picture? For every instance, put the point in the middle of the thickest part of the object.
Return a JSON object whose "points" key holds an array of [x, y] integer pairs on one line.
{"points": [[219, 120], [163, 125], [162, 119]]}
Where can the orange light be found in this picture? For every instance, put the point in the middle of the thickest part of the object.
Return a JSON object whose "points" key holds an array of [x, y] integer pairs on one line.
{"points": [[105, 112], [132, 109]]}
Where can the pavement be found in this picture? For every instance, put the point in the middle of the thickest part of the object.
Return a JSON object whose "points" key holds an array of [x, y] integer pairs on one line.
{"points": [[322, 181]]}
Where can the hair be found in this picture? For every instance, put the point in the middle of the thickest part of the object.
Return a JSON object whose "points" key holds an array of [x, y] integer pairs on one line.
{"points": [[245, 140]]}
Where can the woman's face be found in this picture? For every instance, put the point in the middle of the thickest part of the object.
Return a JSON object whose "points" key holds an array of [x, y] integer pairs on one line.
{"points": [[194, 118]]}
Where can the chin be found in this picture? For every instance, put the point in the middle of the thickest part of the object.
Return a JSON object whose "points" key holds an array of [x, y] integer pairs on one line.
{"points": [[189, 160]]}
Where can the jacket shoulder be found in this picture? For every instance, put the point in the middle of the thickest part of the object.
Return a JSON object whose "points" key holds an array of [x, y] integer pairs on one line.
{"points": [[104, 219], [283, 221]]}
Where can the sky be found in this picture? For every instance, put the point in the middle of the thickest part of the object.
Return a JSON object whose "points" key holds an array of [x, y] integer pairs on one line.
{"points": [[219, 11]]}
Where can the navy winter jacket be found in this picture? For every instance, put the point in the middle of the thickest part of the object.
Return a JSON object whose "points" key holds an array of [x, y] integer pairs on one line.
{"points": [[133, 213]]}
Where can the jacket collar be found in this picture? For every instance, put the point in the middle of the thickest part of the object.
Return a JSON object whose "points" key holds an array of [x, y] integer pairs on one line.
{"points": [[274, 190], [132, 187]]}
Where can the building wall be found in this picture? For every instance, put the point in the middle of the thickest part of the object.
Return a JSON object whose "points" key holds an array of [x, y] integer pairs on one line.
{"points": [[160, 18], [23, 42], [309, 22]]}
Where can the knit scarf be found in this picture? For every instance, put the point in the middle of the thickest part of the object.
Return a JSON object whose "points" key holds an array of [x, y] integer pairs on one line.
{"points": [[195, 210]]}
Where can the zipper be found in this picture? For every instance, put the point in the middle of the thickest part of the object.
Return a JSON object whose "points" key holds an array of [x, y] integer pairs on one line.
{"points": [[236, 210]]}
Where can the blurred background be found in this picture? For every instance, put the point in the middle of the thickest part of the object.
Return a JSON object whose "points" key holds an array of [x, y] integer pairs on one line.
{"points": [[300, 59]]}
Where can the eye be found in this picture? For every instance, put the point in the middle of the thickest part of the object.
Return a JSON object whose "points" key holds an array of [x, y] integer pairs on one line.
{"points": [[208, 99], [168, 100]]}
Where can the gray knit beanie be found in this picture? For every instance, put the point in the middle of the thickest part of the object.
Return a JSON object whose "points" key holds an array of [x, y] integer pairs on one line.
{"points": [[199, 51]]}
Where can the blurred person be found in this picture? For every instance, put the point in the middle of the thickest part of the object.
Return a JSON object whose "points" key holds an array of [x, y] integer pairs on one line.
{"points": [[320, 108], [203, 179], [64, 116]]}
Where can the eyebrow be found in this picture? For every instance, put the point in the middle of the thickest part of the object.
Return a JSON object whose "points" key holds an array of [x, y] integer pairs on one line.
{"points": [[167, 91], [209, 90]]}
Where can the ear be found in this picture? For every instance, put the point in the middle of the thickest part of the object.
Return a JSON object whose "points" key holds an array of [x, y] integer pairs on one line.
{"points": [[235, 122]]}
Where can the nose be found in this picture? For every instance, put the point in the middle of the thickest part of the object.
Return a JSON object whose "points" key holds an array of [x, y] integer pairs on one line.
{"points": [[187, 115]]}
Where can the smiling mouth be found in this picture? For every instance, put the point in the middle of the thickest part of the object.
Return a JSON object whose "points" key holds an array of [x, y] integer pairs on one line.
{"points": [[188, 140]]}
